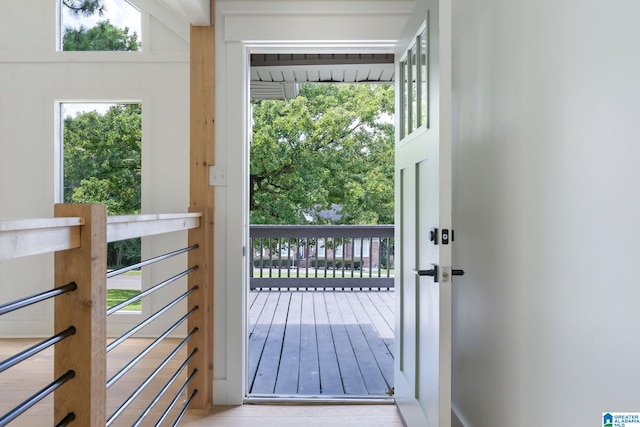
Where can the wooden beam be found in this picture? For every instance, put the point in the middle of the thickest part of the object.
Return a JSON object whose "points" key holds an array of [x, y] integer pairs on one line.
{"points": [[85, 309], [201, 200]]}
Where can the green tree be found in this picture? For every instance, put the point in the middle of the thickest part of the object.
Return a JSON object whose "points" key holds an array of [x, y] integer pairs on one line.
{"points": [[85, 7], [102, 158], [103, 37], [330, 146], [102, 164]]}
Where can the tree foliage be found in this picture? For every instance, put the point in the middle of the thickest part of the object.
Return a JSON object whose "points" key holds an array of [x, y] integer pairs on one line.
{"points": [[330, 147], [102, 164], [102, 37], [85, 7], [102, 158]]}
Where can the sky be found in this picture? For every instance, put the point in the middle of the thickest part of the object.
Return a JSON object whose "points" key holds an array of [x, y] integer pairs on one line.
{"points": [[121, 14], [73, 108]]}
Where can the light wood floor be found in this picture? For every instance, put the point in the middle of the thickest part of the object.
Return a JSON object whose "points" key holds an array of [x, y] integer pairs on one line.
{"points": [[19, 382], [298, 416]]}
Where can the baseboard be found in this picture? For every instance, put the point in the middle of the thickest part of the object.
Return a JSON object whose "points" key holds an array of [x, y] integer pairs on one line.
{"points": [[456, 418]]}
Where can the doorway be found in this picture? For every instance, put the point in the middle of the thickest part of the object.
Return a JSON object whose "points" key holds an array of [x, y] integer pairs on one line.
{"points": [[321, 211], [246, 28]]}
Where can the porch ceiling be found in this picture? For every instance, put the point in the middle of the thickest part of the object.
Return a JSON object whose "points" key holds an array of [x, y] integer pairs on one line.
{"points": [[277, 76]]}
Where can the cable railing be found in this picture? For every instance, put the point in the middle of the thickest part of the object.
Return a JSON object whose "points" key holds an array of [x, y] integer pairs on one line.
{"points": [[154, 316], [322, 256], [78, 237]]}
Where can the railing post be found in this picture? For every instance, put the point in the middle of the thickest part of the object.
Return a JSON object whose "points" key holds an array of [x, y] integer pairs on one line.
{"points": [[85, 308], [201, 199], [203, 317]]}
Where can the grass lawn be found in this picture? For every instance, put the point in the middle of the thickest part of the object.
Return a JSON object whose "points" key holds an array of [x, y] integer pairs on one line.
{"points": [[116, 296]]}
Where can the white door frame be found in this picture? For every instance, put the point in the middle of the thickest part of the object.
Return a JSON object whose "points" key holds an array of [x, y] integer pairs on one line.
{"points": [[267, 26]]}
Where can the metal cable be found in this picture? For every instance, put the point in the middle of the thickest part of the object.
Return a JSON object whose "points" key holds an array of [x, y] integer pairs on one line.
{"points": [[184, 409], [175, 399], [149, 261], [35, 349], [164, 389], [146, 351], [150, 319], [146, 382], [24, 406], [151, 290], [24, 302]]}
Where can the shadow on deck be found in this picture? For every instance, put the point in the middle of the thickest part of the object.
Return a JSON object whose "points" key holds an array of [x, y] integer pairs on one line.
{"points": [[329, 344]]}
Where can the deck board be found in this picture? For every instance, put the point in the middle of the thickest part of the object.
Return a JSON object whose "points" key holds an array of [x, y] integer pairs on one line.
{"points": [[375, 333], [287, 379], [309, 371], [332, 343], [259, 333], [268, 365], [349, 370], [367, 364], [330, 381]]}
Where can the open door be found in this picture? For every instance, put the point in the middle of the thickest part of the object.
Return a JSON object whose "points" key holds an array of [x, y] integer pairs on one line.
{"points": [[423, 217]]}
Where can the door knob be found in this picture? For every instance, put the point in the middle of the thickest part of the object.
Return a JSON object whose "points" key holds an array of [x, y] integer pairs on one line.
{"points": [[432, 272]]}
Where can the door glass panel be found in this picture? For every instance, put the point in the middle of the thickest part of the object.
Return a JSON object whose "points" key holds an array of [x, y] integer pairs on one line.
{"points": [[424, 78], [414, 88], [404, 94]]}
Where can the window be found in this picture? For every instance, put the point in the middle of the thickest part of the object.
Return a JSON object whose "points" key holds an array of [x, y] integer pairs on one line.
{"points": [[100, 156], [414, 78], [99, 25], [361, 246]]}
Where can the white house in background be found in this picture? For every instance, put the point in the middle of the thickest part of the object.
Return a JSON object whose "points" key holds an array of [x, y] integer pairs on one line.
{"points": [[546, 154]]}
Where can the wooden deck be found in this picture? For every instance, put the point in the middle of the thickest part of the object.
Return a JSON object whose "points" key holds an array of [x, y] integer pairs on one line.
{"points": [[321, 343]]}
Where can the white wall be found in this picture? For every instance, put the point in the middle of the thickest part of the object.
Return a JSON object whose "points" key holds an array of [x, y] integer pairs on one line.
{"points": [[546, 210], [33, 77]]}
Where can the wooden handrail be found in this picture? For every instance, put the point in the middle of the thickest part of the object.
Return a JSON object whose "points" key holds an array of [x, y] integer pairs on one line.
{"points": [[23, 237], [130, 226], [32, 236]]}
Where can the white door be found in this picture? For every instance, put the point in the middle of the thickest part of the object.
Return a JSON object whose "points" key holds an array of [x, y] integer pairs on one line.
{"points": [[423, 204]]}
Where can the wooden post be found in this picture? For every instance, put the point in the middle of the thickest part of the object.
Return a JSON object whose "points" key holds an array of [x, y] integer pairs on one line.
{"points": [[201, 200], [85, 308]]}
